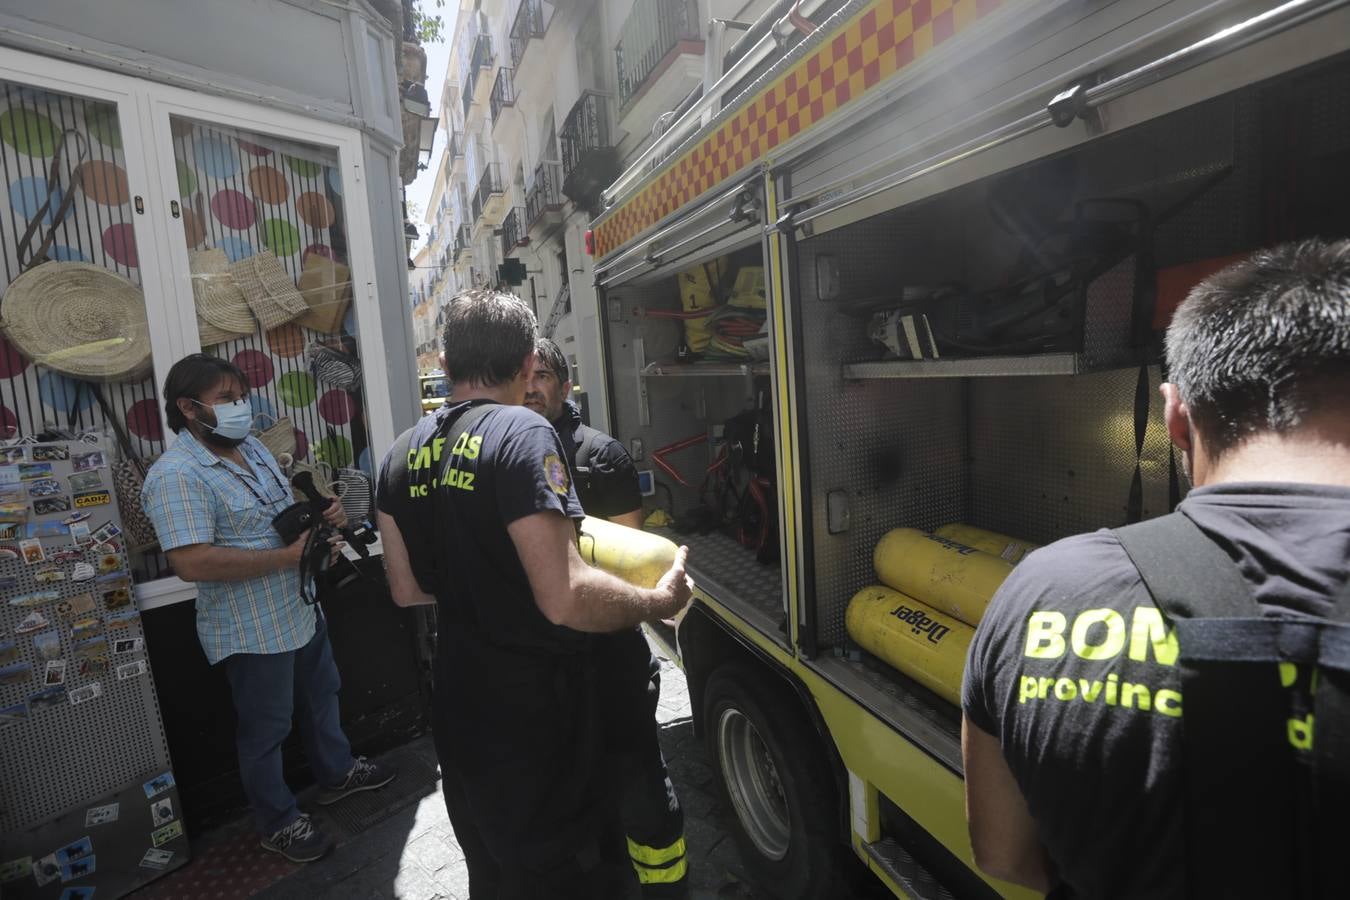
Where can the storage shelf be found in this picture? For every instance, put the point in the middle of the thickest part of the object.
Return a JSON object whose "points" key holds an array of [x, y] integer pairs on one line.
{"points": [[975, 367], [671, 368]]}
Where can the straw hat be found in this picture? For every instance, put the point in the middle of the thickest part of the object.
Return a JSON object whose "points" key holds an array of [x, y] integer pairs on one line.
{"points": [[222, 312], [79, 319]]}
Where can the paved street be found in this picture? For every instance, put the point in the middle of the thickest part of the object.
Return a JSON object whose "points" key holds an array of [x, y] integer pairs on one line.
{"points": [[406, 848]]}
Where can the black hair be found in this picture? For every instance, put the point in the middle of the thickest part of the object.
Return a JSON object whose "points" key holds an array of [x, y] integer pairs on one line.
{"points": [[488, 335], [192, 376], [1263, 343], [551, 355]]}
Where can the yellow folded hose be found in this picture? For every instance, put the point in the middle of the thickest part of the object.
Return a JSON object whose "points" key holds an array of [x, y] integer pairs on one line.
{"points": [[1008, 549], [638, 557], [949, 576], [921, 642]]}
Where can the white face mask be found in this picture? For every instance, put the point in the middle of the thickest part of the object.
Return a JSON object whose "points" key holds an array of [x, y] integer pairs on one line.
{"points": [[233, 420]]}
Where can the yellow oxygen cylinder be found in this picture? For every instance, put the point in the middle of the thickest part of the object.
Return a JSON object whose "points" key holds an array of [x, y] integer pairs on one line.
{"points": [[1008, 549], [950, 576], [921, 642], [638, 557]]}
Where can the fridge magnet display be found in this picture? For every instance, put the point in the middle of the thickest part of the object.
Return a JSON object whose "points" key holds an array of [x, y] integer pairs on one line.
{"points": [[106, 532], [8, 552], [8, 582], [53, 696], [132, 669], [32, 551], [46, 870], [77, 605], [11, 531], [81, 482], [77, 849], [11, 455], [84, 629], [92, 666], [13, 715], [128, 645], [75, 517], [15, 510], [87, 462], [36, 598], [161, 811], [109, 563], [92, 498], [47, 530], [85, 693], [156, 859], [80, 868], [93, 647], [48, 505], [34, 621], [117, 598], [15, 869], [102, 815], [47, 644], [162, 836], [56, 673], [15, 673], [65, 556], [51, 453], [79, 533], [158, 785], [78, 892], [124, 619], [9, 651], [82, 572], [34, 471], [49, 576]]}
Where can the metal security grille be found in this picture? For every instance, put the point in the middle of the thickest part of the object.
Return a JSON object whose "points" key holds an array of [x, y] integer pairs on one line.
{"points": [[63, 755]]}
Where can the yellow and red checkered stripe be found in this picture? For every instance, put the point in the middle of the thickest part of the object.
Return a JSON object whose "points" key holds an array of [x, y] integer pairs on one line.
{"points": [[880, 41]]}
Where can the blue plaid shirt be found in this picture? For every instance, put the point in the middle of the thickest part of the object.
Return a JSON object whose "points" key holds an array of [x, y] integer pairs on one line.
{"points": [[194, 497]]}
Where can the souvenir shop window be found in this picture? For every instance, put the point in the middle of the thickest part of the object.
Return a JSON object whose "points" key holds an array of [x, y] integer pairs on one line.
{"points": [[75, 355], [267, 237]]}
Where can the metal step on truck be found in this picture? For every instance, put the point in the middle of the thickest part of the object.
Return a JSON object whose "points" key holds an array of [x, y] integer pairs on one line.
{"points": [[890, 294]]}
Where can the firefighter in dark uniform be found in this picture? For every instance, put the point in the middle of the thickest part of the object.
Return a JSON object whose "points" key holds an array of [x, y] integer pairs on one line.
{"points": [[476, 513], [630, 677]]}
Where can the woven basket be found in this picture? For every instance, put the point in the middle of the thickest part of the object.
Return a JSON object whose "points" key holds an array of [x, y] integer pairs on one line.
{"points": [[269, 290], [222, 312], [79, 319], [327, 289], [357, 493], [279, 437]]}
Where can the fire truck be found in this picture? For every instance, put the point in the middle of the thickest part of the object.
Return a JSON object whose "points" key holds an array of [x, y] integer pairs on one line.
{"points": [[905, 265]]}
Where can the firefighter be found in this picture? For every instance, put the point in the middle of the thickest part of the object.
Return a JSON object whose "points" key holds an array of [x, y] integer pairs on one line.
{"points": [[476, 510], [630, 677], [1080, 776]]}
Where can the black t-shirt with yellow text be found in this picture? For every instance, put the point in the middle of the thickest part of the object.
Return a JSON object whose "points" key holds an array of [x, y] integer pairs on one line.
{"points": [[1073, 670], [453, 503]]}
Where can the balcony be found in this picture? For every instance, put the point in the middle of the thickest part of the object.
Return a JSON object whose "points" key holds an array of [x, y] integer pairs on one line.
{"points": [[456, 144], [489, 201], [513, 231], [543, 201], [503, 93], [463, 248], [529, 25], [476, 87], [659, 60], [590, 160]]}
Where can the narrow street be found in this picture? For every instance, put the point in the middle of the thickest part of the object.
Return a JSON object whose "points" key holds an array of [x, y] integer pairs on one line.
{"points": [[401, 845]]}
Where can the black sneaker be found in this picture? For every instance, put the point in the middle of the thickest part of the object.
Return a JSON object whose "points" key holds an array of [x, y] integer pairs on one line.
{"points": [[299, 841], [364, 776]]}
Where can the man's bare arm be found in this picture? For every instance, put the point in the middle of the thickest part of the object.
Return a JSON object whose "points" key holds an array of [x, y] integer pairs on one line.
{"points": [[402, 585], [569, 592], [207, 562], [1002, 833]]}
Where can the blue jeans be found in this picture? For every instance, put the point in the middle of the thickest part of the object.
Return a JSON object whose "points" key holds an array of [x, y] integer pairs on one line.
{"points": [[269, 689]]}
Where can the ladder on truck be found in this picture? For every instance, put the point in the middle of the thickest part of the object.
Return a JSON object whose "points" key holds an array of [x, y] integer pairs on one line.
{"points": [[560, 304]]}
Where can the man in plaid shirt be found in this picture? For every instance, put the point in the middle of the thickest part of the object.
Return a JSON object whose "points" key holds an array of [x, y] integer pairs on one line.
{"points": [[212, 497]]}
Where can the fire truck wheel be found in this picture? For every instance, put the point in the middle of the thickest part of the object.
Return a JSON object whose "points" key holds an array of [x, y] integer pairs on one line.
{"points": [[776, 779]]}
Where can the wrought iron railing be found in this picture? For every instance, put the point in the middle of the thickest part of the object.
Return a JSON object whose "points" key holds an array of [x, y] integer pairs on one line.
{"points": [[513, 230], [652, 30], [468, 95], [480, 58], [528, 25], [463, 242], [490, 183], [457, 144], [545, 194], [585, 131], [503, 93]]}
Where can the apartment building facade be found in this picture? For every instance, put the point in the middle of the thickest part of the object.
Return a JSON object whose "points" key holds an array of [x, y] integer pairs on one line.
{"points": [[544, 105]]}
